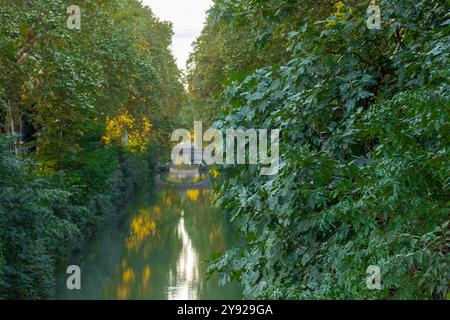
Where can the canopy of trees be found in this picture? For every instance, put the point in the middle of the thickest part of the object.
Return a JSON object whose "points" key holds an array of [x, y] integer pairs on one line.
{"points": [[365, 163], [86, 112]]}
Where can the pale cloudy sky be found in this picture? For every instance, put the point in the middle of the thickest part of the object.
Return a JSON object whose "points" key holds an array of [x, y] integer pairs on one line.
{"points": [[187, 17]]}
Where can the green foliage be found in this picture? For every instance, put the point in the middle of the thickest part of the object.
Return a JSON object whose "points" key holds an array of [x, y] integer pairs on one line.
{"points": [[68, 83], [63, 174], [35, 221], [365, 156], [223, 53]]}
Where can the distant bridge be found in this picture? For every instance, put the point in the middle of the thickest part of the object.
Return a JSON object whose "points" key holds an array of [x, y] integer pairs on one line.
{"points": [[187, 174]]}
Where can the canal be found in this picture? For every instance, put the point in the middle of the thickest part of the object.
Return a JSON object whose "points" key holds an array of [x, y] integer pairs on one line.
{"points": [[159, 251]]}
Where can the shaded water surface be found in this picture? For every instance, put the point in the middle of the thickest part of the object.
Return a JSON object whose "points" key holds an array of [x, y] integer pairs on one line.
{"points": [[159, 252]]}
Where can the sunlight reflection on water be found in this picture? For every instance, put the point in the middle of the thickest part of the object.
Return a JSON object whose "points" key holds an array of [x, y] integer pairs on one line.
{"points": [[183, 286]]}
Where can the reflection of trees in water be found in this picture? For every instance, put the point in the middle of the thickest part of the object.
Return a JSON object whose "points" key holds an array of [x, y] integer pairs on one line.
{"points": [[152, 249], [205, 228], [209, 232], [164, 249]]}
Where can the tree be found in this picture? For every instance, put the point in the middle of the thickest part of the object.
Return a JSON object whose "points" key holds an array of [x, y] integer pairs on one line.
{"points": [[364, 172], [88, 112]]}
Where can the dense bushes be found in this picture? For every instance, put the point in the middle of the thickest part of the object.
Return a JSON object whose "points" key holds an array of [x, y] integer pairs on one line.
{"points": [[365, 154], [35, 219]]}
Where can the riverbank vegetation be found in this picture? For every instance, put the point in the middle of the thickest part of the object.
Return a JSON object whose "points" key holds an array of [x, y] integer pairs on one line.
{"points": [[365, 153], [83, 116]]}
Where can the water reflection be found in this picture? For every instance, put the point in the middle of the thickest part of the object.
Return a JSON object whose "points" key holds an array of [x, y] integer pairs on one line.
{"points": [[141, 228], [158, 253], [183, 284]]}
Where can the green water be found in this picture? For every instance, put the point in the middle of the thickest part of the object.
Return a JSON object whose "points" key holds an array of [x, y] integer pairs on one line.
{"points": [[158, 252]]}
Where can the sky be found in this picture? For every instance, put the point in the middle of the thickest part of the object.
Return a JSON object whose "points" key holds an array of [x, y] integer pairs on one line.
{"points": [[187, 17]]}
